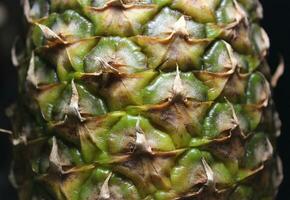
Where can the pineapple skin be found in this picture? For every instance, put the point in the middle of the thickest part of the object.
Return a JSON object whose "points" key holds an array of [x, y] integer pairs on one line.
{"points": [[153, 100]]}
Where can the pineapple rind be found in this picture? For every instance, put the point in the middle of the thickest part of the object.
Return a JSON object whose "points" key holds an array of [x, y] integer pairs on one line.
{"points": [[153, 100]]}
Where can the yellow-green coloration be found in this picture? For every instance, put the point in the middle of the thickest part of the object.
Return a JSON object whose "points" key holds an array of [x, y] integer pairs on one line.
{"points": [[145, 100]]}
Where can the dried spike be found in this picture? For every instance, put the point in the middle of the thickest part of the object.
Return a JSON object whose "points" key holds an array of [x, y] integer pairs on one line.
{"points": [[78, 169], [169, 153], [278, 73], [269, 152], [180, 26], [73, 107], [105, 190], [141, 143], [259, 9], [265, 102], [106, 67], [235, 118], [177, 87], [9, 132], [14, 57], [232, 58], [20, 140], [50, 34], [26, 10], [266, 41], [209, 174], [242, 15], [12, 178], [55, 158], [31, 76]]}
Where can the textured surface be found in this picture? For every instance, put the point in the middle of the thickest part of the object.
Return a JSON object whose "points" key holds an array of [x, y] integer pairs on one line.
{"points": [[145, 100]]}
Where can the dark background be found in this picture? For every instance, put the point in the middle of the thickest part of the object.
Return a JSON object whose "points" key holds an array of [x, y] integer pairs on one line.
{"points": [[276, 22]]}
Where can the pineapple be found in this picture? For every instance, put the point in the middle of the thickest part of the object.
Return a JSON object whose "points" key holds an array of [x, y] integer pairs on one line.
{"points": [[145, 100]]}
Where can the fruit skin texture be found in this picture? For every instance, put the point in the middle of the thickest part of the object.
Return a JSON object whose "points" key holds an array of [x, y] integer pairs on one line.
{"points": [[153, 100]]}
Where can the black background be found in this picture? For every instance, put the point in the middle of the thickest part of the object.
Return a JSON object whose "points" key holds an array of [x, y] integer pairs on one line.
{"points": [[276, 22]]}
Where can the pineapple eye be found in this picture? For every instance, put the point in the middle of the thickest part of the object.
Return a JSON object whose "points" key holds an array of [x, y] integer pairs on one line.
{"points": [[115, 54], [69, 25]]}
